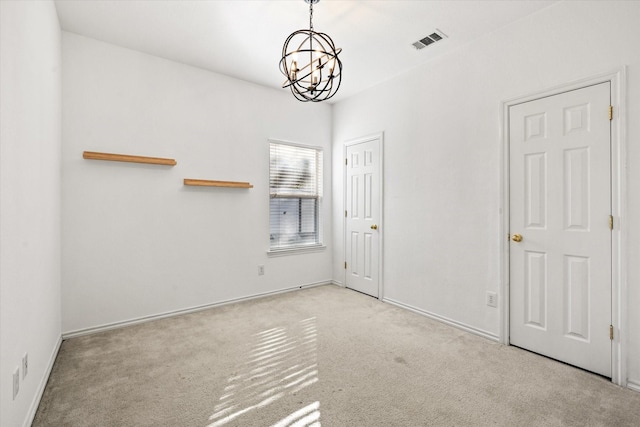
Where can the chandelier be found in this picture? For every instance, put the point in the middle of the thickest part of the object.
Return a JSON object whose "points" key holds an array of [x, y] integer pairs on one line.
{"points": [[311, 64]]}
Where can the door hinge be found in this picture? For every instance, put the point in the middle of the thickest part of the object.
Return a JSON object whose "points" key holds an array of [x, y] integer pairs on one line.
{"points": [[345, 214], [346, 161], [611, 332], [345, 265], [610, 112], [610, 222]]}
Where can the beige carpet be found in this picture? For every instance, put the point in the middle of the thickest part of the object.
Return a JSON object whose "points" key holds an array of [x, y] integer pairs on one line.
{"points": [[322, 356]]}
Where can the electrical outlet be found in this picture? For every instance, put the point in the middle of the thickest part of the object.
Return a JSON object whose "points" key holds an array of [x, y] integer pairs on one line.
{"points": [[16, 382], [492, 299], [25, 365], [261, 270]]}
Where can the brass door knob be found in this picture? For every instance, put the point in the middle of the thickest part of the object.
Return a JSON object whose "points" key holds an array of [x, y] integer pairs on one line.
{"points": [[374, 227], [516, 238]]}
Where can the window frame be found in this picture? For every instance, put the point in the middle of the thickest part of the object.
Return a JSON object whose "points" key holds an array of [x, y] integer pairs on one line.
{"points": [[319, 177]]}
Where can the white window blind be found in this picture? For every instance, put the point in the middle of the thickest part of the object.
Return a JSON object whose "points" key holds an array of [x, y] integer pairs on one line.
{"points": [[295, 190]]}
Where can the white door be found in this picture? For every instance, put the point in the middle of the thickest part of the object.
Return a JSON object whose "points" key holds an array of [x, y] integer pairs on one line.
{"points": [[560, 202], [362, 212]]}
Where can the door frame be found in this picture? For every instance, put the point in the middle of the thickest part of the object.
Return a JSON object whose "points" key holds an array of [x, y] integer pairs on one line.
{"points": [[380, 137], [619, 288]]}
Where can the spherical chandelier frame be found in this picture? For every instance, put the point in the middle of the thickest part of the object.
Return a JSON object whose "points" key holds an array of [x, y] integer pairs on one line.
{"points": [[320, 77]]}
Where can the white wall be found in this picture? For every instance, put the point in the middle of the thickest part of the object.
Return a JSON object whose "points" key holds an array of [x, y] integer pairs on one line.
{"points": [[136, 242], [442, 155], [30, 144]]}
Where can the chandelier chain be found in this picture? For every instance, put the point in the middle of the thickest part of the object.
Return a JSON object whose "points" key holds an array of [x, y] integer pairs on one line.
{"points": [[311, 15]]}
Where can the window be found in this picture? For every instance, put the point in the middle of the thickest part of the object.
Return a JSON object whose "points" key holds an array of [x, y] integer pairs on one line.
{"points": [[295, 191]]}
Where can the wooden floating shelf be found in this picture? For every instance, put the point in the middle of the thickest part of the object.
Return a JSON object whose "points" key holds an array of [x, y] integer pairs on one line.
{"points": [[209, 183], [92, 155]]}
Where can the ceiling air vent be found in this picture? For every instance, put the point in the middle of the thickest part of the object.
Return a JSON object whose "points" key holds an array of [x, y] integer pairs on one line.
{"points": [[436, 36]]}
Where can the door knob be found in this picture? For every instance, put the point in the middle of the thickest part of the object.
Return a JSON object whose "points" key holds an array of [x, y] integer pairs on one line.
{"points": [[516, 238], [374, 227]]}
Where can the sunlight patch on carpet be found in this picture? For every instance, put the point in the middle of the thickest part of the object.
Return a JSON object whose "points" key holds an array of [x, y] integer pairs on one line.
{"points": [[309, 416], [282, 361]]}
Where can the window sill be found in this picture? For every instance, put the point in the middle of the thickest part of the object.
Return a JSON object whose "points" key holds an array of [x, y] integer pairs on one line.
{"points": [[295, 251]]}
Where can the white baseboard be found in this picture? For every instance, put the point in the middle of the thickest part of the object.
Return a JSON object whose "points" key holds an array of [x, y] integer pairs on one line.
{"points": [[43, 384], [633, 385], [337, 283], [143, 319], [459, 325]]}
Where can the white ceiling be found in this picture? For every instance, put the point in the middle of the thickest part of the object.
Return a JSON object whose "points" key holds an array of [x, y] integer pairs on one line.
{"points": [[244, 38]]}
